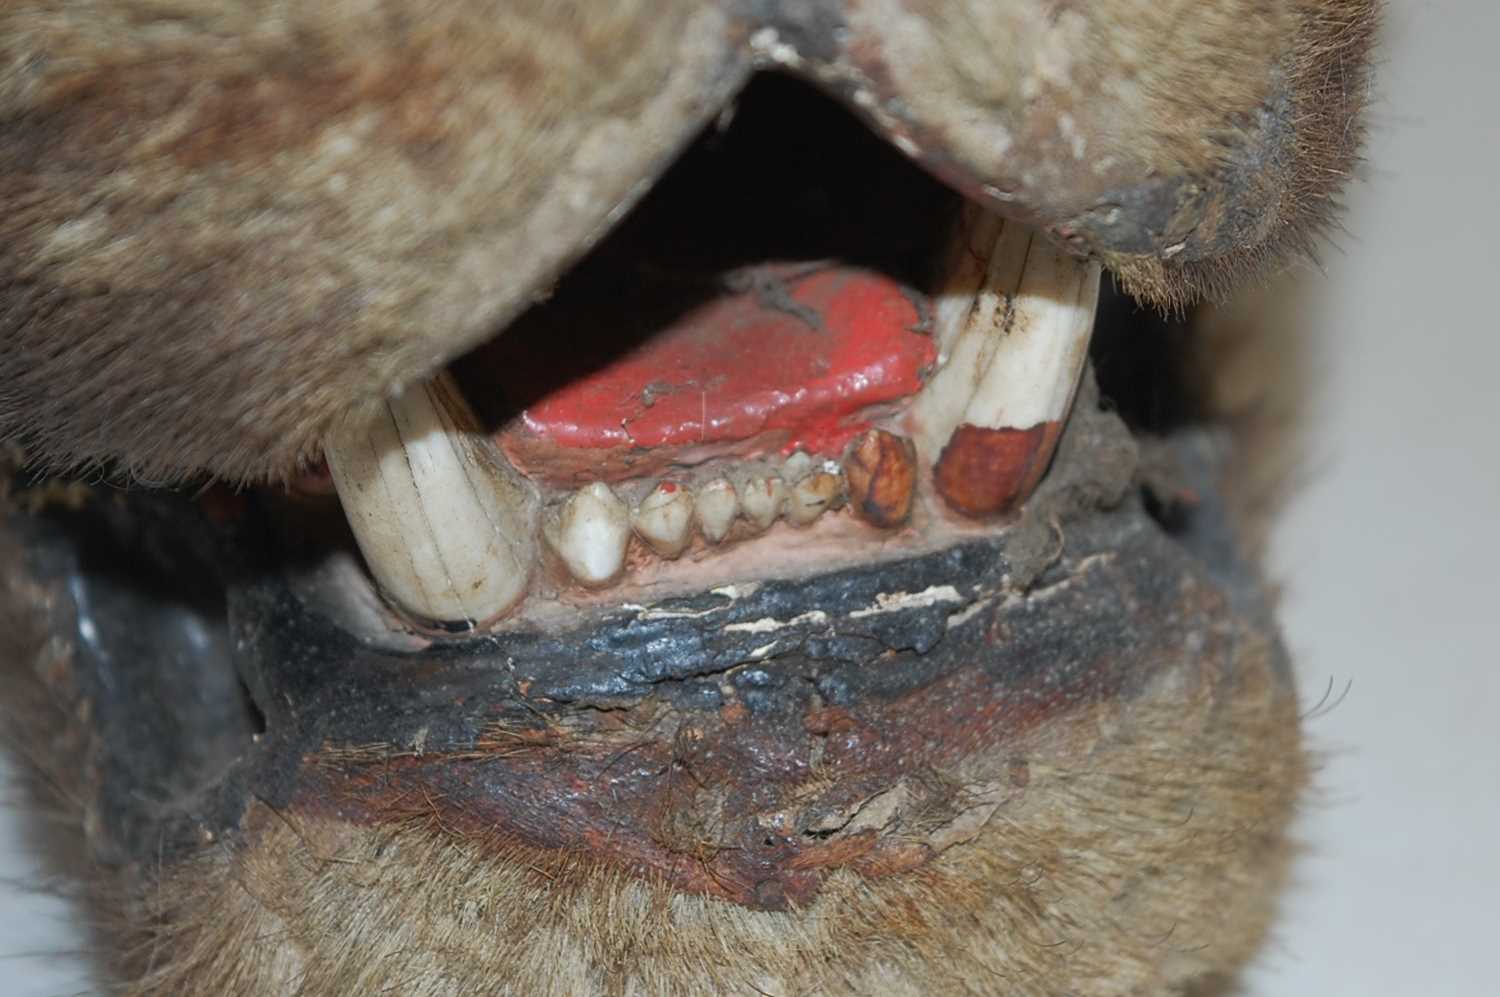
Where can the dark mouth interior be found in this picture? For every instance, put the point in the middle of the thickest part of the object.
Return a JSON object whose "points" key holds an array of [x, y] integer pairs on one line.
{"points": [[786, 175]]}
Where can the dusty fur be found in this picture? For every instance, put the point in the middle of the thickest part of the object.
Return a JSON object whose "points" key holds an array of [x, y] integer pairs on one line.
{"points": [[226, 224], [1147, 86], [1326, 87]]}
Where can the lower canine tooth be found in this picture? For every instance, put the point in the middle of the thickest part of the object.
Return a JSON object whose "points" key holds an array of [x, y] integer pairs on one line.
{"points": [[591, 535], [811, 497], [881, 469], [665, 519], [995, 409], [718, 505], [445, 524], [762, 501]]}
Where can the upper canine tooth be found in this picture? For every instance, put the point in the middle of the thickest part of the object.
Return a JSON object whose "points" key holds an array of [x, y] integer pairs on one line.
{"points": [[1011, 361], [762, 501], [446, 525], [881, 471], [718, 505], [665, 519], [810, 497], [592, 533]]}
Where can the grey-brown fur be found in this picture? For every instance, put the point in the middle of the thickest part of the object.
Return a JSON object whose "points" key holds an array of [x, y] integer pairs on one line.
{"points": [[224, 225]]}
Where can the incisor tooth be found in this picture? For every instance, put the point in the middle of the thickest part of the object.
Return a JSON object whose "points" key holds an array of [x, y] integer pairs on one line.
{"points": [[1011, 363], [591, 534], [812, 496], [445, 524], [718, 505], [762, 501], [665, 519]]}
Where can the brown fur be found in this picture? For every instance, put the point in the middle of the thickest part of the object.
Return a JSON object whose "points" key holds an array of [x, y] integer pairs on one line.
{"points": [[1149, 87], [224, 225], [1295, 186]]}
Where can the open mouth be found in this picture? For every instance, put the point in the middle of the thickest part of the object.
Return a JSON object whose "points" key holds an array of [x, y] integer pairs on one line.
{"points": [[780, 562], [833, 365]]}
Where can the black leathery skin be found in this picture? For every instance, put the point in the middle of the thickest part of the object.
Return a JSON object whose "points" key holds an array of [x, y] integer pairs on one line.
{"points": [[144, 599]]}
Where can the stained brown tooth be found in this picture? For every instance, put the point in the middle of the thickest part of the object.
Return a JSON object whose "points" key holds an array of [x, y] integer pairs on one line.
{"points": [[810, 497], [718, 505], [762, 501], [982, 472], [591, 535], [881, 471], [1012, 359], [665, 519], [446, 525]]}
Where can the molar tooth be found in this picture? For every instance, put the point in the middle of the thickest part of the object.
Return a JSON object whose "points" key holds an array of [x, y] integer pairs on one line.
{"points": [[812, 496], [718, 505], [994, 411], [798, 466], [665, 519], [762, 501], [446, 525], [591, 534], [881, 470]]}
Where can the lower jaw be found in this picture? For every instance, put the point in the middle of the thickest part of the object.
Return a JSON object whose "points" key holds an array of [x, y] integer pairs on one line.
{"points": [[1055, 760]]}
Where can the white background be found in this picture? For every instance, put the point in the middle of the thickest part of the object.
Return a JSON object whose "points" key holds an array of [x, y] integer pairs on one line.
{"points": [[1390, 553]]}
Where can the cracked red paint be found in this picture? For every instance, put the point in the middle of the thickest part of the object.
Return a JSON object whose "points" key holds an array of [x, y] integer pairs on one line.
{"points": [[795, 360]]}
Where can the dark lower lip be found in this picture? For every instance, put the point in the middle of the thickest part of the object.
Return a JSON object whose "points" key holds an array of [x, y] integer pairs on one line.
{"points": [[1074, 738], [719, 742], [619, 741]]}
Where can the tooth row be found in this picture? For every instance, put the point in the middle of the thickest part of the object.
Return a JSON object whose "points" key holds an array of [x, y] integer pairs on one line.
{"points": [[448, 527], [444, 522], [1013, 329], [591, 533]]}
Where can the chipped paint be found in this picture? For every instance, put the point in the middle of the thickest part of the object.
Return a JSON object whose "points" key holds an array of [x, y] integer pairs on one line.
{"points": [[895, 602], [769, 624]]}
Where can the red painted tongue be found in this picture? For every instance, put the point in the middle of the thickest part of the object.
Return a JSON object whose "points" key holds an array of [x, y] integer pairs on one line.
{"points": [[806, 354]]}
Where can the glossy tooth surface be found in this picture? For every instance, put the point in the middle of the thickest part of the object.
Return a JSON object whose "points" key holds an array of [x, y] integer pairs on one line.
{"points": [[718, 505], [762, 500], [591, 534], [665, 519], [1011, 361], [446, 525], [812, 496]]}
